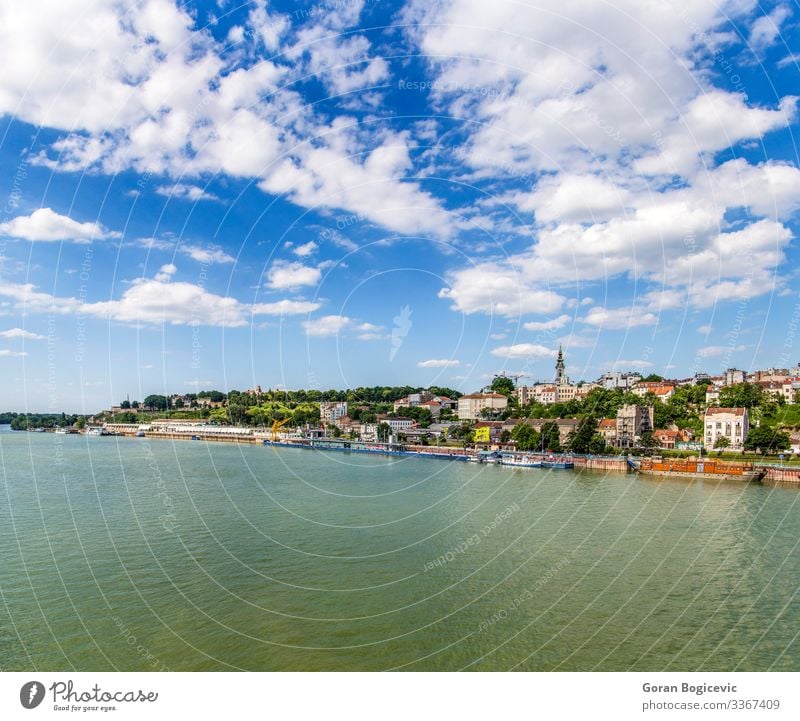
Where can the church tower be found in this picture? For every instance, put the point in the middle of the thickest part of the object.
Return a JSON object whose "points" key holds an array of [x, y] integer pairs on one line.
{"points": [[561, 378]]}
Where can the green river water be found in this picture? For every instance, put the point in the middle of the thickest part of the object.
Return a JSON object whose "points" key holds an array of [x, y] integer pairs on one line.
{"points": [[135, 554]]}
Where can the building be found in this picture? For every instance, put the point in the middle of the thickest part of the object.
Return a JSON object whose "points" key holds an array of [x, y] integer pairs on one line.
{"points": [[632, 422], [669, 439], [433, 406], [662, 391], [607, 428], [733, 377], [565, 426], [470, 407], [613, 379], [397, 424], [332, 411], [730, 423], [524, 394], [712, 395]]}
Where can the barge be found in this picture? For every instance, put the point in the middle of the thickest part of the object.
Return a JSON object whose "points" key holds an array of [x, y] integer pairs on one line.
{"points": [[699, 468]]}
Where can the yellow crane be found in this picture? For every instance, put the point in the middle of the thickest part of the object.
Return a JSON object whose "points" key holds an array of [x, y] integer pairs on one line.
{"points": [[277, 425]]}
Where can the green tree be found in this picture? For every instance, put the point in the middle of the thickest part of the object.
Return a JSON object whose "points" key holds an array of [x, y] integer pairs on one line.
{"points": [[526, 437], [503, 385], [384, 431], [741, 395], [648, 441], [580, 440], [767, 440], [156, 402], [721, 443], [550, 436]]}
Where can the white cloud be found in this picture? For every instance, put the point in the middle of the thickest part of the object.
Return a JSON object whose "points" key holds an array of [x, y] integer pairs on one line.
{"points": [[290, 274], [614, 318], [438, 363], [150, 89], [326, 325], [186, 191], [637, 363], [166, 272], [712, 351], [524, 350], [155, 301], [206, 255], [305, 249], [45, 224], [767, 28], [704, 329], [286, 307], [552, 324], [12, 354], [21, 333], [498, 288]]}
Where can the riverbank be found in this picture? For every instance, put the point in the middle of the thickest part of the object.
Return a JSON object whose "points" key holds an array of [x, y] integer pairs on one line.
{"points": [[773, 473]]}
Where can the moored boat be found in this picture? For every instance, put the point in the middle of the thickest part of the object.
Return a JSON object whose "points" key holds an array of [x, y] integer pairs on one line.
{"points": [[516, 461], [700, 468]]}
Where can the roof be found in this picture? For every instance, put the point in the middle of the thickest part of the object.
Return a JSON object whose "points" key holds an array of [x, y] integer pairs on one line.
{"points": [[482, 396], [608, 423], [729, 411]]}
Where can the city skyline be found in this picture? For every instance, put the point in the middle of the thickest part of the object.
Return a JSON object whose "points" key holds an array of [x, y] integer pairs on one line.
{"points": [[360, 193]]}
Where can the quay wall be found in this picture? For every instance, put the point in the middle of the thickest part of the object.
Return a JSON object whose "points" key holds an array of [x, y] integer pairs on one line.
{"points": [[776, 474]]}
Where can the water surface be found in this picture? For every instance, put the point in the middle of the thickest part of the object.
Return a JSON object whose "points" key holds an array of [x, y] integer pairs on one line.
{"points": [[138, 554]]}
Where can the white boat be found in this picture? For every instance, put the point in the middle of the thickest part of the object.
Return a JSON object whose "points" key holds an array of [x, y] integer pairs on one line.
{"points": [[62, 431], [520, 461], [95, 431]]}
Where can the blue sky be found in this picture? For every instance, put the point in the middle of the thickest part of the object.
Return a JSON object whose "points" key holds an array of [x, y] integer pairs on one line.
{"points": [[224, 194]]}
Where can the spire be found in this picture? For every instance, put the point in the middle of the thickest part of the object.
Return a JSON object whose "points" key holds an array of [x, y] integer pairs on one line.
{"points": [[560, 377]]}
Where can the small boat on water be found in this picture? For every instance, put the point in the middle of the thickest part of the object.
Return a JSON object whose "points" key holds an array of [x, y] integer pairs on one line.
{"points": [[699, 468], [97, 431], [511, 459], [61, 431]]}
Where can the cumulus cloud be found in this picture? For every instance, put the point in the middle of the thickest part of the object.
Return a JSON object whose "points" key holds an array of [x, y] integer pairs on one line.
{"points": [[615, 318], [291, 274], [21, 333], [45, 224], [326, 325], [305, 249], [638, 363], [206, 255], [158, 301], [439, 363], [524, 350], [186, 191], [551, 324], [150, 89], [712, 351]]}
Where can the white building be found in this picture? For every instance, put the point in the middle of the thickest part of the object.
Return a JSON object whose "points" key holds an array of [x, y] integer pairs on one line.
{"points": [[470, 407], [730, 423], [397, 424], [733, 376], [613, 379], [332, 411]]}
